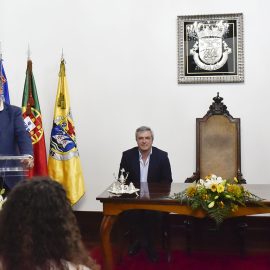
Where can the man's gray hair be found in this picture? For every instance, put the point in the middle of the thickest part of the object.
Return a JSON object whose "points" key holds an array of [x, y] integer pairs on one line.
{"points": [[142, 129]]}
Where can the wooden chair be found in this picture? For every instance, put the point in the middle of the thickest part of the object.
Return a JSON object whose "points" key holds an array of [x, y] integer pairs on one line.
{"points": [[218, 144], [218, 151]]}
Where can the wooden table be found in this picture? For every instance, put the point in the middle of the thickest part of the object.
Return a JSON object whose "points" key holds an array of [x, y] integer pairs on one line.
{"points": [[159, 199]]}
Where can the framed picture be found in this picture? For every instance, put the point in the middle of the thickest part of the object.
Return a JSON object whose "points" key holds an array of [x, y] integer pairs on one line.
{"points": [[210, 48]]}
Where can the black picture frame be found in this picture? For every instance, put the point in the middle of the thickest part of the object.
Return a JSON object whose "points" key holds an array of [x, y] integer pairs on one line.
{"points": [[210, 48]]}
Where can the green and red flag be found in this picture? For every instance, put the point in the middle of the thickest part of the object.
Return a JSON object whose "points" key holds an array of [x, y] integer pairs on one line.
{"points": [[33, 121]]}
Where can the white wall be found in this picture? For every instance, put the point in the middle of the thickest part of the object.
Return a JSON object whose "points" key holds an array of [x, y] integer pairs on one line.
{"points": [[121, 62]]}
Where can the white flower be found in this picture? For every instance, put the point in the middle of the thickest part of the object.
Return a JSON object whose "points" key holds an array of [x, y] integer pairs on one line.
{"points": [[219, 179], [208, 183], [2, 200], [201, 182]]}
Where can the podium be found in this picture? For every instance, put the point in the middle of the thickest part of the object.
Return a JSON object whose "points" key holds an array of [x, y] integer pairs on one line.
{"points": [[12, 170]]}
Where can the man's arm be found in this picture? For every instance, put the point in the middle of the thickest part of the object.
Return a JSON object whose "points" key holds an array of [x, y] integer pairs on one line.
{"points": [[130, 162], [23, 139], [22, 135], [166, 170]]}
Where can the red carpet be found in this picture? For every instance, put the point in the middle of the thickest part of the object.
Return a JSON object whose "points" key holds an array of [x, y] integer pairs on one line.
{"points": [[195, 261]]}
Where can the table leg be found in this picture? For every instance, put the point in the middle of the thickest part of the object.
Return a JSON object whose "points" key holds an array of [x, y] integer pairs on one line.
{"points": [[105, 232]]}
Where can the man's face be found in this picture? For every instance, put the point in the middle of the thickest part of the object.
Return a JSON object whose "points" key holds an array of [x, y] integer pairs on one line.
{"points": [[144, 140]]}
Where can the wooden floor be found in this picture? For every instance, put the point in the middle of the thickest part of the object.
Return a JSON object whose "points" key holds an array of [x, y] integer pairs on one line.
{"points": [[232, 236]]}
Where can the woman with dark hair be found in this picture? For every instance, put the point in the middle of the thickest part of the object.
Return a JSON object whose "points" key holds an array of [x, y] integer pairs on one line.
{"points": [[38, 230]]}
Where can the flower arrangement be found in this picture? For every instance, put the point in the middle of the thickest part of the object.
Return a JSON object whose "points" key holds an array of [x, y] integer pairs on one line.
{"points": [[218, 197]]}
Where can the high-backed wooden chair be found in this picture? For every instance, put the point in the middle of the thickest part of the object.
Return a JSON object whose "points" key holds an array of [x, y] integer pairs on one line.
{"points": [[218, 151], [218, 144]]}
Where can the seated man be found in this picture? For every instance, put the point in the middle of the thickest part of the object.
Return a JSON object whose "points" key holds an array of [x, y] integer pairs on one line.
{"points": [[145, 163]]}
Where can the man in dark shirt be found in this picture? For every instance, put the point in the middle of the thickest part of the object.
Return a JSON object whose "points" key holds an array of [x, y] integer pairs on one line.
{"points": [[145, 164], [14, 139]]}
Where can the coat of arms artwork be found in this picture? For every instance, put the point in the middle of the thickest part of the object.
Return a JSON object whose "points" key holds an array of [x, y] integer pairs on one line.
{"points": [[210, 48]]}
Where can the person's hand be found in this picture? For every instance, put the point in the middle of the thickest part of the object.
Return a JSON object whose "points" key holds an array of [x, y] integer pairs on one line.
{"points": [[28, 162]]}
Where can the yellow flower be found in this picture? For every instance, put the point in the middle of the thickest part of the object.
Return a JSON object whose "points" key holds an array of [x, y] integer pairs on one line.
{"points": [[221, 204], [235, 189], [213, 187], [235, 179], [220, 188], [191, 190], [234, 208], [205, 197]]}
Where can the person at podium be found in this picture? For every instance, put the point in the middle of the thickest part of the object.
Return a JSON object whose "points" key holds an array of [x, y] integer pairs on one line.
{"points": [[14, 140], [144, 164]]}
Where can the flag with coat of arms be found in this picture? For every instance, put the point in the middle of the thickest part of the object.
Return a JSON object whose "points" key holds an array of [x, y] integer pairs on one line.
{"points": [[64, 163], [3, 82], [33, 121]]}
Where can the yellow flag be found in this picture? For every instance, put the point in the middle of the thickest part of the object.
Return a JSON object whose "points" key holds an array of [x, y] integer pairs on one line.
{"points": [[64, 163]]}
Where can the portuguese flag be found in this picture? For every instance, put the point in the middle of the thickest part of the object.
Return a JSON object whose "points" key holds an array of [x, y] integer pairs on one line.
{"points": [[33, 121]]}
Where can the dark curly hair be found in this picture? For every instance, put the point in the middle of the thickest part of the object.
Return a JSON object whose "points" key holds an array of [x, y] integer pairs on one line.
{"points": [[38, 228]]}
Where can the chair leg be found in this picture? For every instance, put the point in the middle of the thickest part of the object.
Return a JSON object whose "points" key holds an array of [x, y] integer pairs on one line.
{"points": [[167, 244], [166, 235], [241, 234]]}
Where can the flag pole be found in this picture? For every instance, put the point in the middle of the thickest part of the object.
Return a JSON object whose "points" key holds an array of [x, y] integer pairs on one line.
{"points": [[28, 52], [31, 101], [62, 55], [61, 98]]}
